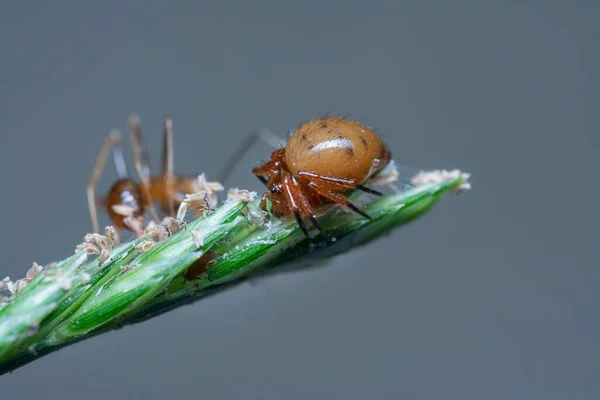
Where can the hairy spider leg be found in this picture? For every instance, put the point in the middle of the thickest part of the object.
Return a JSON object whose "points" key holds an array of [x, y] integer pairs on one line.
{"points": [[299, 204], [305, 203], [338, 183], [333, 195]]}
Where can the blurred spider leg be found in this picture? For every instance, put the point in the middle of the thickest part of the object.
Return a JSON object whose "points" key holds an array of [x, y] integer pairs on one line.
{"points": [[119, 160], [167, 169], [261, 134], [142, 162], [113, 140]]}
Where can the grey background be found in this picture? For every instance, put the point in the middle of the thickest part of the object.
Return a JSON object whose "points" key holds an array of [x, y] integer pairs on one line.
{"points": [[493, 295]]}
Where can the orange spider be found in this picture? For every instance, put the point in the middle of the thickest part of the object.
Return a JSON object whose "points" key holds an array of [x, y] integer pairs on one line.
{"points": [[322, 161]]}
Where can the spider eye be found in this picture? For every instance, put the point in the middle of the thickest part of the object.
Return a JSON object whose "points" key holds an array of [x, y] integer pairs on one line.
{"points": [[276, 189]]}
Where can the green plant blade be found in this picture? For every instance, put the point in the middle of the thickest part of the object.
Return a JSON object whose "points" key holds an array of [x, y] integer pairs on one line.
{"points": [[23, 316], [126, 293], [135, 286]]}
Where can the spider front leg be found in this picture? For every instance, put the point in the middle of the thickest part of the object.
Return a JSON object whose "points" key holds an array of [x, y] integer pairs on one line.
{"points": [[298, 203], [268, 174]]}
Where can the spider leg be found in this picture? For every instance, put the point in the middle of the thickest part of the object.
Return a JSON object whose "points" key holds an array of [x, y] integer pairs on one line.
{"points": [[369, 190], [254, 136], [337, 183], [315, 222], [142, 162], [112, 141], [303, 203], [327, 180], [339, 198], [301, 223], [290, 191], [167, 163], [269, 171]]}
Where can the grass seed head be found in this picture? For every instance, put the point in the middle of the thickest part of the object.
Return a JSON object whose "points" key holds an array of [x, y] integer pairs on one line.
{"points": [[235, 194], [440, 176]]}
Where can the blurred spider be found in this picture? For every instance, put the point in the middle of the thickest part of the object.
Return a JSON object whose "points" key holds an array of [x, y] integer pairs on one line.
{"points": [[127, 200]]}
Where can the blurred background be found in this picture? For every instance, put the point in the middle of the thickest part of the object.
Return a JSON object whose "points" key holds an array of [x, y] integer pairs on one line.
{"points": [[492, 295]]}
